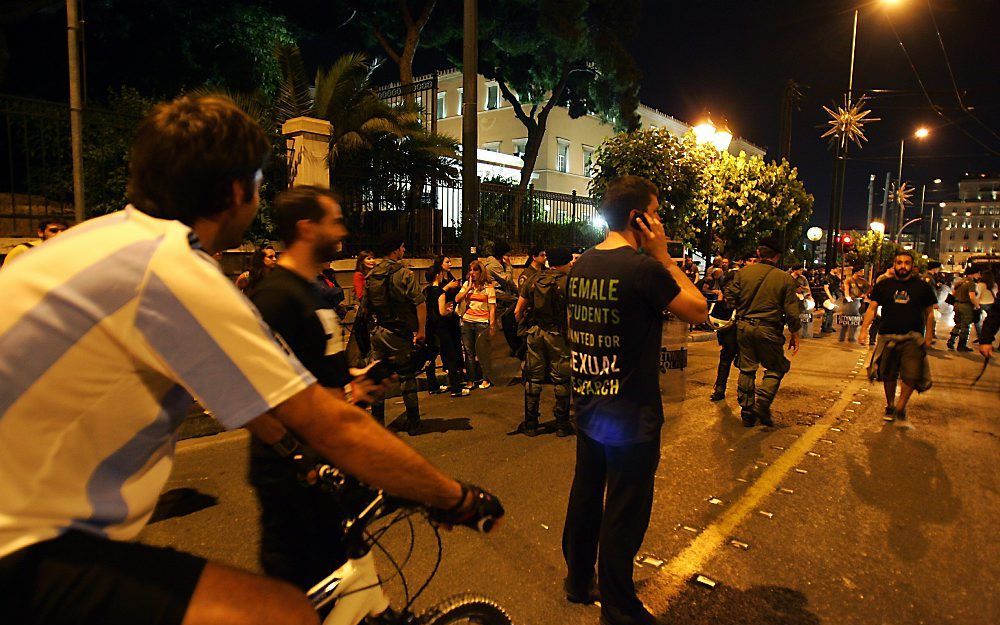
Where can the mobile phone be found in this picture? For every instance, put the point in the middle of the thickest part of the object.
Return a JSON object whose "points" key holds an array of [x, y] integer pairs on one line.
{"points": [[380, 371], [639, 217]]}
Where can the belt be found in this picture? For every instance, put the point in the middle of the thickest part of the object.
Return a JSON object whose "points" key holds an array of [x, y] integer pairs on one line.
{"points": [[758, 321]]}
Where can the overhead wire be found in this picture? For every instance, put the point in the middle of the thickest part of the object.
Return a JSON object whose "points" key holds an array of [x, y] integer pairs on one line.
{"points": [[958, 94], [934, 107]]}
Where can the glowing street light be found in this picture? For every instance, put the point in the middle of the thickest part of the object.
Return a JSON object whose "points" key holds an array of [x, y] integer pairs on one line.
{"points": [[723, 137], [814, 234], [937, 181], [921, 132], [704, 132], [720, 138], [877, 226]]}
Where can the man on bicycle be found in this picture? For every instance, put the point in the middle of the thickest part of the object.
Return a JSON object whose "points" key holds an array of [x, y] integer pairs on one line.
{"points": [[106, 334]]}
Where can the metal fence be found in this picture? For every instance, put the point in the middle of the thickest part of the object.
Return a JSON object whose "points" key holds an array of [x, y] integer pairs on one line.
{"points": [[422, 92], [36, 169], [431, 221]]}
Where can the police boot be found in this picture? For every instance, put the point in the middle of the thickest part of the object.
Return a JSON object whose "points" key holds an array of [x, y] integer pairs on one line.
{"points": [[532, 399], [412, 422], [561, 412]]}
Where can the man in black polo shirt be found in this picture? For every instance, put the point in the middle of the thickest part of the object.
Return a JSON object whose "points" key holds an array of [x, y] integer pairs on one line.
{"points": [[297, 544], [616, 300], [905, 334]]}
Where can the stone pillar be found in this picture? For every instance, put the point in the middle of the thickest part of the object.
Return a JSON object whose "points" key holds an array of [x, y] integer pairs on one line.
{"points": [[308, 143]]}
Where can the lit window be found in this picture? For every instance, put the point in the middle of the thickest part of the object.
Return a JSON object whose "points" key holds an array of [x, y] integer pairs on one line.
{"points": [[492, 97], [562, 155], [588, 161], [520, 145], [461, 100], [493, 146], [442, 107]]}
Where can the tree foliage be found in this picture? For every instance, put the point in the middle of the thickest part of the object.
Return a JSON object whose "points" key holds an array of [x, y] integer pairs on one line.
{"points": [[746, 197], [548, 53], [396, 26]]}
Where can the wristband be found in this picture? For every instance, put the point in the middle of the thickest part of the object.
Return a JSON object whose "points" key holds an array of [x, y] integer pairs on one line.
{"points": [[461, 500], [287, 446]]}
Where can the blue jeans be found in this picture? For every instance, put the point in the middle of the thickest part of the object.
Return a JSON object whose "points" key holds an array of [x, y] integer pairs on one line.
{"points": [[472, 336]]}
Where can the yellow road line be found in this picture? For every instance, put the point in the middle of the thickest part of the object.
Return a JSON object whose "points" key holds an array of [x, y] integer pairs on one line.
{"points": [[668, 584]]}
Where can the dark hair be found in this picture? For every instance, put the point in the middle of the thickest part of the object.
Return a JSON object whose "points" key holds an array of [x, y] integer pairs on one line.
{"points": [[257, 268], [293, 205], [535, 250], [986, 276], [624, 195], [52, 221], [389, 243], [500, 249], [913, 258], [360, 264], [436, 268], [187, 153]]}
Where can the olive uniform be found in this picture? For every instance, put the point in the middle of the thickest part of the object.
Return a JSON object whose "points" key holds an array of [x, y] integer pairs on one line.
{"points": [[764, 298], [548, 352], [391, 299]]}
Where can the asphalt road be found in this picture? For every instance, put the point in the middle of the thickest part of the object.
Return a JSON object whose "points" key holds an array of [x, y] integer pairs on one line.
{"points": [[836, 517]]}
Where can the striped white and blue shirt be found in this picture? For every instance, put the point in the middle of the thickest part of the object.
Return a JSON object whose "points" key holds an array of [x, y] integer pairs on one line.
{"points": [[106, 334]]}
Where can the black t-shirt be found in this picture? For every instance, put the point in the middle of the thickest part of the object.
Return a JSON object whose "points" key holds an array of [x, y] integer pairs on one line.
{"points": [[432, 293], [903, 304], [297, 311], [616, 300]]}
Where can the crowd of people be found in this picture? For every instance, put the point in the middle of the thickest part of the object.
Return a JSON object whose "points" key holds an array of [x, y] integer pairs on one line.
{"points": [[135, 301]]}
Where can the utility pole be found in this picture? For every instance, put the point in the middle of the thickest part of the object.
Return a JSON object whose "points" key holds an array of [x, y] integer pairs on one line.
{"points": [[885, 198], [871, 197], [470, 132], [75, 107]]}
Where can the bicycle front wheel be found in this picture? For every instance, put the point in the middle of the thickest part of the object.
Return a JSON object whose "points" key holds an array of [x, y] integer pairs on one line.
{"points": [[466, 610]]}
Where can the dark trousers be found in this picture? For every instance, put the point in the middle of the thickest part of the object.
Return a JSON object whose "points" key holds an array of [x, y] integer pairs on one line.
{"points": [[760, 344], [547, 356], [616, 522], [730, 349], [397, 350], [964, 317], [449, 342]]}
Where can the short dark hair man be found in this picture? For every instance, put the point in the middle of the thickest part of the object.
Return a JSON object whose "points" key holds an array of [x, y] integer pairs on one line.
{"points": [[296, 542], [536, 263], [904, 335], [145, 320], [764, 299], [47, 229], [397, 312], [541, 307], [616, 301]]}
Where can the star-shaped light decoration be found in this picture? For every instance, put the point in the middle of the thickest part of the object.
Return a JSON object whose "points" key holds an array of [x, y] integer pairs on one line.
{"points": [[847, 123], [904, 195]]}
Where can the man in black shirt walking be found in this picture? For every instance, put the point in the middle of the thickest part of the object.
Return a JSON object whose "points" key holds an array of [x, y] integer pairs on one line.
{"points": [[905, 334], [616, 299], [296, 542]]}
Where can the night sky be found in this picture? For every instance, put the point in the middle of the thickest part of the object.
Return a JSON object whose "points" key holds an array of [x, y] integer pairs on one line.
{"points": [[728, 57]]}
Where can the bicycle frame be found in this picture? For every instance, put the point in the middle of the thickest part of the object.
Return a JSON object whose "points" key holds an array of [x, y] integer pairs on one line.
{"points": [[355, 590]]}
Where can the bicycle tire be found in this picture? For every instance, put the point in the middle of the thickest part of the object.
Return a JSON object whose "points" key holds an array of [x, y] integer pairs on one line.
{"points": [[467, 608]]}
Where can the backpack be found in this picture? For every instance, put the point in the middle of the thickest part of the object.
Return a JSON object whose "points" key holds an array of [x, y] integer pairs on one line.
{"points": [[380, 306], [548, 300]]}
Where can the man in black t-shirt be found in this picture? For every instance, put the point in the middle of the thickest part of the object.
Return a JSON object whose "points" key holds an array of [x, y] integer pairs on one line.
{"points": [[297, 543], [905, 334], [616, 300]]}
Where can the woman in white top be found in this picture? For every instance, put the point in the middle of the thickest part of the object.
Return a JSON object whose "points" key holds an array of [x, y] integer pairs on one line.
{"points": [[985, 296]]}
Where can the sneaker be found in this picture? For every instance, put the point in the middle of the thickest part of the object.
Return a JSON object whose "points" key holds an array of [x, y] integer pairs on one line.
{"points": [[902, 421], [586, 597], [749, 418], [438, 390], [965, 348], [890, 413], [717, 396], [463, 392], [485, 384], [951, 344]]}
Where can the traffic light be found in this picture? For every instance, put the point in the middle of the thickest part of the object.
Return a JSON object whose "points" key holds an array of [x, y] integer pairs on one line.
{"points": [[848, 240]]}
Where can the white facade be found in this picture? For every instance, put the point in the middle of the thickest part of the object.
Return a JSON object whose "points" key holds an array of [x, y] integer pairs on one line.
{"points": [[970, 224]]}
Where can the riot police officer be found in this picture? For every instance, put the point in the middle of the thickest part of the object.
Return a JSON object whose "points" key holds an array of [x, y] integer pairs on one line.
{"points": [[764, 299], [395, 308], [541, 305]]}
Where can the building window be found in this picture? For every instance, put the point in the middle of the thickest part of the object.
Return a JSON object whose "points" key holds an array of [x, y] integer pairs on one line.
{"points": [[588, 161], [492, 97], [442, 105], [461, 100], [562, 155], [493, 146], [520, 145]]}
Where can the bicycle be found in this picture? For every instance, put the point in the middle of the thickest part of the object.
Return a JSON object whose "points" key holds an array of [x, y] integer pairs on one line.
{"points": [[352, 594]]}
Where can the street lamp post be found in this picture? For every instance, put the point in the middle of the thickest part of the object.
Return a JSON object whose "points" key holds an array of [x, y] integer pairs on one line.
{"points": [[719, 138], [919, 133], [814, 234], [879, 228]]}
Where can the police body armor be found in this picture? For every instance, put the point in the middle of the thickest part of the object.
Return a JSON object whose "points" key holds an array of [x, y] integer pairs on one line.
{"points": [[548, 301]]}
